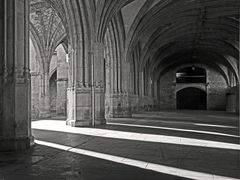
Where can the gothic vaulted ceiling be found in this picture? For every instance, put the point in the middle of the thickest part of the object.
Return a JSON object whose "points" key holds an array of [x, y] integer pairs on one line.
{"points": [[47, 29], [162, 32], [168, 32]]}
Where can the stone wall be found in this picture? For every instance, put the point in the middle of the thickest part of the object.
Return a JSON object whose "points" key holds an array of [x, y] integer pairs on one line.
{"points": [[232, 97], [215, 89], [117, 105], [142, 103], [167, 98]]}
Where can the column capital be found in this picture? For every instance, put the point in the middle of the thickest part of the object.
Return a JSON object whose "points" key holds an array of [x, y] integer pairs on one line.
{"points": [[20, 74]]}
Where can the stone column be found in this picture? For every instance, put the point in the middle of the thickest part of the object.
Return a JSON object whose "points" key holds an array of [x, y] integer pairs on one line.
{"points": [[85, 100], [44, 99], [35, 81], [15, 123], [78, 93], [61, 96], [98, 84], [116, 99], [126, 90]]}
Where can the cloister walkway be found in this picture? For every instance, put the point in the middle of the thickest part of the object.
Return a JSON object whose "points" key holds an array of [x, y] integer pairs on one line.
{"points": [[148, 146]]}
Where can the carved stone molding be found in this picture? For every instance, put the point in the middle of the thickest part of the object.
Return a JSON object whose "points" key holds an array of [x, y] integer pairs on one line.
{"points": [[8, 75], [62, 79], [35, 73]]}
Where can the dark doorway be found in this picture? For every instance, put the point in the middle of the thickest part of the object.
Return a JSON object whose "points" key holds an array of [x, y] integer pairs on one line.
{"points": [[192, 98], [53, 93]]}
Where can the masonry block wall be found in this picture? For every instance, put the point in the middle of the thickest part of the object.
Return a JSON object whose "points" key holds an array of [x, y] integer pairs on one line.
{"points": [[116, 105], [167, 98], [232, 97], [134, 99], [215, 89], [146, 103]]}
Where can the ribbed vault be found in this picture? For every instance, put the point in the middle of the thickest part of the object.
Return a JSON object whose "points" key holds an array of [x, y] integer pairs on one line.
{"points": [[47, 29], [169, 32], [105, 12]]}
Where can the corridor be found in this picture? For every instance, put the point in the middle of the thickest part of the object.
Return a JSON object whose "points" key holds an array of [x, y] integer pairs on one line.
{"points": [[148, 146]]}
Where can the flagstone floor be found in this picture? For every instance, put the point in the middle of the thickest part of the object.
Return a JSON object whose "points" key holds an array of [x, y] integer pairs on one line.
{"points": [[148, 146]]}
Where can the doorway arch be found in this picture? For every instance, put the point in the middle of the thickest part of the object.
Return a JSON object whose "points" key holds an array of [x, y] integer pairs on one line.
{"points": [[191, 98], [53, 93]]}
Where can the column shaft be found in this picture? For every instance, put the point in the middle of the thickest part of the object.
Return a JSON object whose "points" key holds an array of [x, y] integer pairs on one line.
{"points": [[86, 99], [15, 123]]}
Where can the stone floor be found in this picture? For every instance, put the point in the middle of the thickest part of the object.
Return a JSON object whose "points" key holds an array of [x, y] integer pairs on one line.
{"points": [[149, 146]]}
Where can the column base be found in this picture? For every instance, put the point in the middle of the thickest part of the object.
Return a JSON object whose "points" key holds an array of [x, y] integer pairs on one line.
{"points": [[117, 106], [18, 144], [87, 123]]}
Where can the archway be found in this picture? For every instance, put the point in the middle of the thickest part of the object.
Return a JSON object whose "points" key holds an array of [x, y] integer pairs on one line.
{"points": [[53, 93], [192, 98]]}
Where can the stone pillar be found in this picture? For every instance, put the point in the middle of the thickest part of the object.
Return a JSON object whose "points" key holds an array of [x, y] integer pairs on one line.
{"points": [[35, 81], [44, 99], [79, 106], [98, 84], [85, 100], [126, 89], [61, 96], [117, 103], [15, 109]]}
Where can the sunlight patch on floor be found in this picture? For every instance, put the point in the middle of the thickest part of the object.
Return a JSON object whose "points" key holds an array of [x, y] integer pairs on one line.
{"points": [[175, 123], [174, 129], [136, 163], [216, 125], [60, 126]]}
